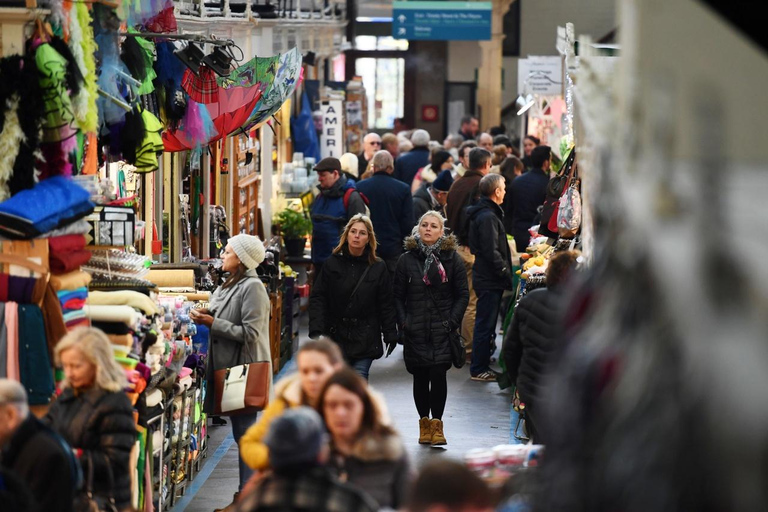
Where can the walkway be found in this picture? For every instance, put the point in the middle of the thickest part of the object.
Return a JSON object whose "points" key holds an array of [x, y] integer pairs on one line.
{"points": [[476, 416]]}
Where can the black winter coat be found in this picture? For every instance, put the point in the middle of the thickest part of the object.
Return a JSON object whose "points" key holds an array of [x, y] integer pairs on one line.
{"points": [[531, 341], [44, 462], [356, 325], [426, 338], [488, 242], [422, 203], [100, 423]]}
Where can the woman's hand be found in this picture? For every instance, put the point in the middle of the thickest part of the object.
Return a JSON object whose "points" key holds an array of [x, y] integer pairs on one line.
{"points": [[202, 318]]}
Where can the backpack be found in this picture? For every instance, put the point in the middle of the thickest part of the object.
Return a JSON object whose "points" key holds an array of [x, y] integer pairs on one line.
{"points": [[348, 193]]}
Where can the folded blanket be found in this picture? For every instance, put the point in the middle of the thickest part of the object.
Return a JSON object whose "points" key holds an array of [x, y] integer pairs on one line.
{"points": [[81, 227], [67, 295], [124, 340], [73, 304], [124, 298], [76, 314], [80, 322], [64, 262], [71, 281], [66, 243], [124, 314], [112, 327]]}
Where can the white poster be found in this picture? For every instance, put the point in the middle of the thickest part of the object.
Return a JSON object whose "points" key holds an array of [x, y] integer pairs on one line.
{"points": [[540, 75], [332, 136]]}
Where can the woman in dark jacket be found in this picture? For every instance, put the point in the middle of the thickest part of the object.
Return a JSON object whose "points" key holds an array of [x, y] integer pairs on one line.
{"points": [[532, 338], [94, 415], [351, 300], [431, 295]]}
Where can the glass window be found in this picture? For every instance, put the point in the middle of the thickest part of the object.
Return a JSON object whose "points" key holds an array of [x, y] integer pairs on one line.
{"points": [[383, 80], [373, 43]]}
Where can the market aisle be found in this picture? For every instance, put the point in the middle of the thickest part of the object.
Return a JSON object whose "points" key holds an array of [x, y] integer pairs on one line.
{"points": [[476, 416]]}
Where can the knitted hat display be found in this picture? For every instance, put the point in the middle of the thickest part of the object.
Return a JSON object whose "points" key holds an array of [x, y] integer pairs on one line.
{"points": [[295, 438], [249, 249]]}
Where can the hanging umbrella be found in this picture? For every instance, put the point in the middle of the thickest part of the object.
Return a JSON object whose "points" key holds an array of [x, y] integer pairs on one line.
{"points": [[286, 78]]}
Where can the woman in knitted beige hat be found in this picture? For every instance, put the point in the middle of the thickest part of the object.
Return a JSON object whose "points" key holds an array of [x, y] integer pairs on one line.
{"points": [[238, 319]]}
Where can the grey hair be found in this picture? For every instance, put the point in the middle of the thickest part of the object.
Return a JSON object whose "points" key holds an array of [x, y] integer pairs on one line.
{"points": [[94, 345], [12, 393], [489, 183], [382, 160]]}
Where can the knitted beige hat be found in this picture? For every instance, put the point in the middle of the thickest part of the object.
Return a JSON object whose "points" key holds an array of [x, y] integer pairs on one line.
{"points": [[249, 249]]}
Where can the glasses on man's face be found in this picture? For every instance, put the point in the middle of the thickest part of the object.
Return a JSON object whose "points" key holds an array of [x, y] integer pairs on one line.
{"points": [[375, 143]]}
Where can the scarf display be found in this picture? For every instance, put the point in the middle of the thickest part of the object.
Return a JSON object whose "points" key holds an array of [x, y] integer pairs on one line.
{"points": [[432, 255]]}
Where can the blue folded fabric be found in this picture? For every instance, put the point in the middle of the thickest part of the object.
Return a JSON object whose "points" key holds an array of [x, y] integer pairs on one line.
{"points": [[50, 204]]}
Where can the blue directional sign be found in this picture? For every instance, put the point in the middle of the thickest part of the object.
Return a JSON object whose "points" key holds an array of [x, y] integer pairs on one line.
{"points": [[441, 21]]}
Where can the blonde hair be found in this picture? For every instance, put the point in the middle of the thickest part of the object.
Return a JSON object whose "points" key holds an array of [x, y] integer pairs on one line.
{"points": [[430, 213], [97, 350], [372, 243]]}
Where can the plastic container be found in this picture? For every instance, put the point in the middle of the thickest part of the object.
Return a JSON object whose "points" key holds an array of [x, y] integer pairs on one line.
{"points": [[535, 455], [511, 455], [481, 461]]}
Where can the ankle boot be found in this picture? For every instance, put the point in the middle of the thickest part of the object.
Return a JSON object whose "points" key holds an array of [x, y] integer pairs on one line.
{"points": [[425, 431], [438, 438], [231, 506]]}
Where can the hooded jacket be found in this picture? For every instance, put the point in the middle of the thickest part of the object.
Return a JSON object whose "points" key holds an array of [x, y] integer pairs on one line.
{"points": [[492, 269], [100, 423], [356, 325], [531, 341], [377, 465], [329, 217], [426, 340]]}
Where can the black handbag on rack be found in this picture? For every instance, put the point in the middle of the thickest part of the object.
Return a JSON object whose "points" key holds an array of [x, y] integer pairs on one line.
{"points": [[455, 341]]}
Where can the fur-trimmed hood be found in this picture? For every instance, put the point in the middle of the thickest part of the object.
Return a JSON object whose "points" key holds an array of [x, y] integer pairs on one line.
{"points": [[289, 389], [450, 243], [374, 448]]}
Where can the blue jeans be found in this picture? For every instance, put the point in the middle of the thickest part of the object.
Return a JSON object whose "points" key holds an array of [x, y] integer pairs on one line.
{"points": [[240, 424], [488, 303], [362, 366]]}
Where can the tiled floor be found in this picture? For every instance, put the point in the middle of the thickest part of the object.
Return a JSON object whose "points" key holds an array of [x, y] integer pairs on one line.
{"points": [[477, 416]]}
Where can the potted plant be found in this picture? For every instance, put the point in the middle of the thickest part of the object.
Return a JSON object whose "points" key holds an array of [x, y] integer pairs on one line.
{"points": [[294, 226]]}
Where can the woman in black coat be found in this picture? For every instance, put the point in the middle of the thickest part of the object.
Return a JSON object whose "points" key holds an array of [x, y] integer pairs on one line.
{"points": [[93, 413], [351, 300], [431, 295]]}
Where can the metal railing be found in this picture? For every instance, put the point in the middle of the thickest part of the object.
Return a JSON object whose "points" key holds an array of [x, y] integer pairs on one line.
{"points": [[294, 10]]}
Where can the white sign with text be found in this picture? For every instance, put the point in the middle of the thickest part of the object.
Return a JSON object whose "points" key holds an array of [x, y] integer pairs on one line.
{"points": [[332, 136]]}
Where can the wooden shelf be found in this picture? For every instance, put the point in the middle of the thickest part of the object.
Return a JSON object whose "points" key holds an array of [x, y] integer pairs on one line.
{"points": [[248, 180]]}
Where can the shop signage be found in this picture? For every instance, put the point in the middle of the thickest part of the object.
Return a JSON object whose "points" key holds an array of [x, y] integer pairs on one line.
{"points": [[442, 20], [540, 75], [332, 136]]}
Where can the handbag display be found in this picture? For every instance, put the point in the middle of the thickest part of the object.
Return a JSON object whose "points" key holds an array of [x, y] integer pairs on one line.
{"points": [[555, 189], [242, 389], [569, 212], [455, 341]]}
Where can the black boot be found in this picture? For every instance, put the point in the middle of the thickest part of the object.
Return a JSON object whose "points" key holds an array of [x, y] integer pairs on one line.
{"points": [[218, 421]]}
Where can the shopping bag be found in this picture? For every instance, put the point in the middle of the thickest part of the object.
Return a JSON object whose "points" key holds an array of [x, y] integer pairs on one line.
{"points": [[569, 213], [241, 389]]}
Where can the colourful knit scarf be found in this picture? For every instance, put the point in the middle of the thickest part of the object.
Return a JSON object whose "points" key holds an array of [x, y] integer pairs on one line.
{"points": [[432, 255]]}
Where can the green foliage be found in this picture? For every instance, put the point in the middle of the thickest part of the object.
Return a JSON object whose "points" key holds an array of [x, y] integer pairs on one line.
{"points": [[293, 224]]}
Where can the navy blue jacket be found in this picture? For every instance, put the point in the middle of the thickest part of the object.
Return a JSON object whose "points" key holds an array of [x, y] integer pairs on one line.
{"points": [[528, 193], [329, 217], [409, 164], [391, 211], [492, 269]]}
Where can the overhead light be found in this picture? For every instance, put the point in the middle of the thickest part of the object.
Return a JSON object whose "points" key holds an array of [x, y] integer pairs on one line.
{"points": [[219, 60], [529, 101], [191, 55]]}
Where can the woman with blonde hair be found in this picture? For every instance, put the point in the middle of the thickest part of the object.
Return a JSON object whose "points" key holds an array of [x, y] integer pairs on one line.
{"points": [[431, 295], [351, 300], [94, 415]]}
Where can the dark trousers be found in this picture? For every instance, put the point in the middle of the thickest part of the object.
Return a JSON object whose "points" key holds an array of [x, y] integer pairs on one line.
{"points": [[488, 303], [430, 391], [241, 423]]}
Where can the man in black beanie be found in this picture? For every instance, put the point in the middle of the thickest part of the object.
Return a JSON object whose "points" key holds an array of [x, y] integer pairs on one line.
{"points": [[298, 450]]}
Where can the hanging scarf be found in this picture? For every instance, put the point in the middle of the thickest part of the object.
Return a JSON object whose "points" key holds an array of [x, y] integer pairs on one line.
{"points": [[432, 255]]}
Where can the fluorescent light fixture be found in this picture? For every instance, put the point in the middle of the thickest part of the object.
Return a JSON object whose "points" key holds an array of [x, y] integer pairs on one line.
{"points": [[373, 19], [529, 101]]}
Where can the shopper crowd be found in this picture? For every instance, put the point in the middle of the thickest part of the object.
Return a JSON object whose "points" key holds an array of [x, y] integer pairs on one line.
{"points": [[411, 246]]}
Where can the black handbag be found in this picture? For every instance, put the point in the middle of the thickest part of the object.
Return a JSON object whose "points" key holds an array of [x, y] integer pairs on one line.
{"points": [[85, 501], [455, 341]]}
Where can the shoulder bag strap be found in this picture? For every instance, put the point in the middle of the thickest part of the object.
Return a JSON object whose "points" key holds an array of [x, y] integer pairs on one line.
{"points": [[359, 282], [446, 322]]}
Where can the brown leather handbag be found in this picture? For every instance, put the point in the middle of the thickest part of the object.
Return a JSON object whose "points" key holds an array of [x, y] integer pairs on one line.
{"points": [[241, 389]]}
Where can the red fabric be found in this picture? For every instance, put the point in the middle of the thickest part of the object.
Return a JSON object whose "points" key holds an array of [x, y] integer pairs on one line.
{"points": [[61, 263], [3, 287], [73, 304], [77, 323], [202, 88], [66, 243], [164, 22]]}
